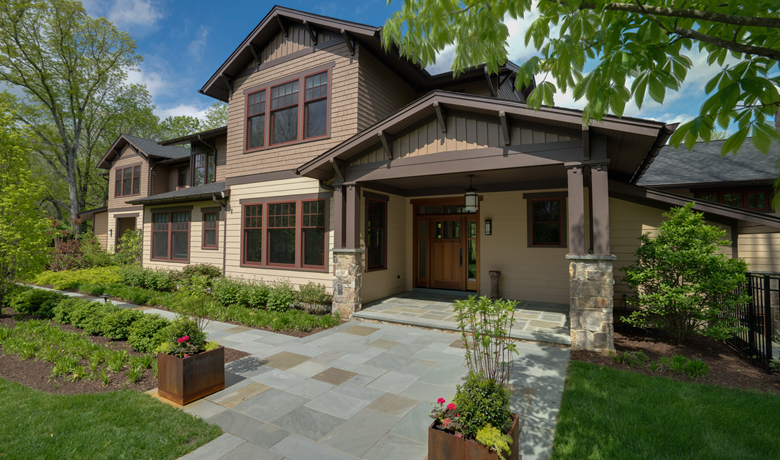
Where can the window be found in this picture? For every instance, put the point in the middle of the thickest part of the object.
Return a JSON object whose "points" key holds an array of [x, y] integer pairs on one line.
{"points": [[182, 178], [128, 181], [284, 113], [255, 120], [290, 234], [313, 234], [281, 234], [376, 234], [292, 111], [205, 167], [753, 200], [316, 105], [171, 235], [210, 230], [253, 234], [547, 222]]}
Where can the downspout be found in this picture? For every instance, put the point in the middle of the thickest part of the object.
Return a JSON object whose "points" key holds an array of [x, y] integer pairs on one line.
{"points": [[224, 229]]}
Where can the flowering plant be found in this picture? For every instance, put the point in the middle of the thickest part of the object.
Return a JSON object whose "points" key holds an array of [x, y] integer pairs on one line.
{"points": [[184, 338], [447, 416]]}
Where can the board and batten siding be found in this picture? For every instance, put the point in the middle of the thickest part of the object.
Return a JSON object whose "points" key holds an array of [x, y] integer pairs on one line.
{"points": [[343, 116], [380, 91], [378, 284], [297, 39], [278, 189], [127, 157], [463, 133]]}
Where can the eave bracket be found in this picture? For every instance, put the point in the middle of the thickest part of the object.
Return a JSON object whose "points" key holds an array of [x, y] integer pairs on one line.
{"points": [[387, 144], [440, 116], [504, 127]]}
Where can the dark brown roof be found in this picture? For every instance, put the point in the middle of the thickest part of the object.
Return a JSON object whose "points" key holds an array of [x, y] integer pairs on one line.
{"points": [[631, 139], [368, 36], [198, 193], [208, 134], [146, 147]]}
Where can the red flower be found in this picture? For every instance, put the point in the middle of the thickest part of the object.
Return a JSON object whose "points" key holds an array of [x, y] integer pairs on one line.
{"points": [[451, 406], [458, 435], [441, 401], [446, 422], [186, 338], [181, 340]]}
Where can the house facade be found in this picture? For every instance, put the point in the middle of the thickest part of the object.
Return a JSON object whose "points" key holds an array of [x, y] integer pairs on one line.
{"points": [[346, 165]]}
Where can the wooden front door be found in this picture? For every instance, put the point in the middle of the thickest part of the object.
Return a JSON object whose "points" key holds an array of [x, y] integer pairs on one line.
{"points": [[448, 253]]}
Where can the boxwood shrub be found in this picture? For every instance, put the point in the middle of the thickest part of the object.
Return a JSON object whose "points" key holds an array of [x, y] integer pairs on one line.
{"points": [[117, 323], [146, 334], [36, 302]]}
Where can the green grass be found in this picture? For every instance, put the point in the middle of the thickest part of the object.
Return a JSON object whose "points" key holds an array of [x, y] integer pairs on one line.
{"points": [[610, 414], [113, 425]]}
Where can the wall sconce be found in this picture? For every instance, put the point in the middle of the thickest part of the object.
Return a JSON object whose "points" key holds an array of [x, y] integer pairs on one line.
{"points": [[110, 232], [488, 226]]}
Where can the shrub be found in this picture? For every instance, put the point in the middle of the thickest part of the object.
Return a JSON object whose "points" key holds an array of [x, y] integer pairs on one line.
{"points": [[258, 294], [92, 253], [36, 302], [209, 271], [116, 325], [280, 296], [62, 312], [183, 327], [130, 248], [497, 441], [13, 291], [145, 335], [481, 401], [73, 279], [155, 279], [66, 255], [313, 293], [684, 286], [631, 358], [85, 313], [230, 291]]}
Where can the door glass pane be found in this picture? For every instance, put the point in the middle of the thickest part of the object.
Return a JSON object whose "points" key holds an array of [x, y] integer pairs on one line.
{"points": [[472, 260], [422, 250], [447, 230], [472, 229], [456, 229]]}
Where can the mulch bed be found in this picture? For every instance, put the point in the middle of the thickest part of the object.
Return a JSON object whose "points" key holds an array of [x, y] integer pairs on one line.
{"points": [[37, 374], [727, 367]]}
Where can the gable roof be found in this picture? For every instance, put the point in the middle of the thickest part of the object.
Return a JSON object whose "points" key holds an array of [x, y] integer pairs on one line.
{"points": [[145, 147], [704, 165], [368, 36], [633, 140]]}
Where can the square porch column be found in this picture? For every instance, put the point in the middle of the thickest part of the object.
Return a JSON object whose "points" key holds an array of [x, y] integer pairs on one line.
{"points": [[591, 283], [347, 257]]}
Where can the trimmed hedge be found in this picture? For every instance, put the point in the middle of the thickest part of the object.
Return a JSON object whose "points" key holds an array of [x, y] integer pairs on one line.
{"points": [[72, 279]]}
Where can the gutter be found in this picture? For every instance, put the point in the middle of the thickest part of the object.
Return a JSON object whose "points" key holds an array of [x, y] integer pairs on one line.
{"points": [[660, 142]]}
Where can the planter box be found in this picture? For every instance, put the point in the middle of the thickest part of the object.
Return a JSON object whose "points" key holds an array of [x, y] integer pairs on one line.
{"points": [[183, 380], [446, 446]]}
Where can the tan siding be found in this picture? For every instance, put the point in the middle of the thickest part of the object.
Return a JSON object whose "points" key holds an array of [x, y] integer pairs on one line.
{"points": [[761, 251], [100, 228], [462, 134], [343, 117], [383, 283], [114, 228], [160, 179], [280, 188], [221, 146], [627, 222], [381, 92], [126, 158], [297, 39], [173, 176]]}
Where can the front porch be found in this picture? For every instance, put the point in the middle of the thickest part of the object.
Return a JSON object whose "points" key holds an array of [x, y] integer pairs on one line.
{"points": [[540, 322]]}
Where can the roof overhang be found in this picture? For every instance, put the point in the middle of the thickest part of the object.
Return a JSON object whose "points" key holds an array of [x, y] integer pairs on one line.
{"points": [[204, 192], [91, 212], [718, 184], [644, 134], [203, 135], [715, 212], [116, 147]]}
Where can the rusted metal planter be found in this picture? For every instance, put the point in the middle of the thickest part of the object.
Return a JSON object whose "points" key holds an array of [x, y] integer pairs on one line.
{"points": [[446, 446], [183, 380]]}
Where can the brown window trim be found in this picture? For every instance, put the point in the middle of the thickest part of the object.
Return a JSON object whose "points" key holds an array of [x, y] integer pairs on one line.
{"points": [[170, 258], [325, 237], [546, 196], [206, 174], [267, 242], [179, 177], [203, 244], [301, 77], [384, 236], [306, 102], [744, 197], [132, 179], [248, 117], [298, 199], [244, 262]]}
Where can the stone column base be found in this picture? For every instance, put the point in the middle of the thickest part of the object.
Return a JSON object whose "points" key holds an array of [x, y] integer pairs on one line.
{"points": [[592, 288], [347, 281]]}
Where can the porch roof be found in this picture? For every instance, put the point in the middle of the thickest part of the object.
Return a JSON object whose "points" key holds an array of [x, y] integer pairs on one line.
{"points": [[198, 193], [631, 142]]}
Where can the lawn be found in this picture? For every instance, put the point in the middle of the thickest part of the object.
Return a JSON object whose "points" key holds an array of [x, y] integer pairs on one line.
{"points": [[608, 414], [114, 425]]}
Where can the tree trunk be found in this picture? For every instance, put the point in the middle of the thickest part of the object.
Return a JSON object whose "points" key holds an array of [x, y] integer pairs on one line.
{"points": [[73, 193]]}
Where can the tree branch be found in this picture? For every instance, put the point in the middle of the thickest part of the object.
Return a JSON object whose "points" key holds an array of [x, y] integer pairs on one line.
{"points": [[729, 45]]}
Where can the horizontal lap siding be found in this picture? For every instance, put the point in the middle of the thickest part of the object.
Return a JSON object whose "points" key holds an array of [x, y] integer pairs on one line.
{"points": [[161, 179], [127, 158], [272, 189], [462, 134], [761, 251], [197, 255], [343, 117], [173, 177], [628, 221], [384, 283], [381, 91], [100, 228], [112, 226]]}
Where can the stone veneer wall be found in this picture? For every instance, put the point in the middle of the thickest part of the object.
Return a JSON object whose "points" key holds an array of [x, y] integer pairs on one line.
{"points": [[591, 291], [347, 281]]}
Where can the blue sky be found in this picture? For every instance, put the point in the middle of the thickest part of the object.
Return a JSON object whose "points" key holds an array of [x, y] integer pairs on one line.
{"points": [[184, 41]]}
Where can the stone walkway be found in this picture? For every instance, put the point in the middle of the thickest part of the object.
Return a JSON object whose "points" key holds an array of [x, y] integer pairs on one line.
{"points": [[536, 321], [360, 390]]}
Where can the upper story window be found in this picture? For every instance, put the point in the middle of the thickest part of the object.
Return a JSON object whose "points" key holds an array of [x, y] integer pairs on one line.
{"points": [[205, 169], [128, 181], [181, 180], [752, 200], [291, 116]]}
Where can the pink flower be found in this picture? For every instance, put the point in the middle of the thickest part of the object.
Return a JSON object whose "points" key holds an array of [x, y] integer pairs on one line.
{"points": [[458, 435], [181, 340], [186, 338], [451, 406], [441, 401], [446, 422], [186, 355]]}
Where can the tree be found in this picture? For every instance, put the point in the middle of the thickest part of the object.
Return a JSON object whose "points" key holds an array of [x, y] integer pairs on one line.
{"points": [[69, 67], [639, 48], [683, 285], [23, 229]]}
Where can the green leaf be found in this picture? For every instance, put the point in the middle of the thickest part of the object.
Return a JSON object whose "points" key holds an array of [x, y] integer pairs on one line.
{"points": [[657, 91], [734, 142], [761, 139]]}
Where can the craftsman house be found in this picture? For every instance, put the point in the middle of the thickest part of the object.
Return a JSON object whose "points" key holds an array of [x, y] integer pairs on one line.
{"points": [[347, 165]]}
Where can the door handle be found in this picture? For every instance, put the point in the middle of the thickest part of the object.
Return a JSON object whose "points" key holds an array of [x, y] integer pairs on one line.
{"points": [[461, 257]]}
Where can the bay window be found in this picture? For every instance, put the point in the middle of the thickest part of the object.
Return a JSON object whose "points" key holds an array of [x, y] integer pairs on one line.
{"points": [[171, 235]]}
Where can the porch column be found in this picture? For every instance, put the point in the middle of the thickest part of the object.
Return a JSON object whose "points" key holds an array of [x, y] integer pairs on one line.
{"points": [[339, 217], [590, 275], [348, 260]]}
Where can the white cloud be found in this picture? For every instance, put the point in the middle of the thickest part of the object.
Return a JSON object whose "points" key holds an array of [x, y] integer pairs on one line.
{"points": [[195, 48], [155, 83], [136, 16], [181, 109]]}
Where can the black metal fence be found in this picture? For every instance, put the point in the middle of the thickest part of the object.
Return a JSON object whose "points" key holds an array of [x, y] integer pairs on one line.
{"points": [[757, 319]]}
